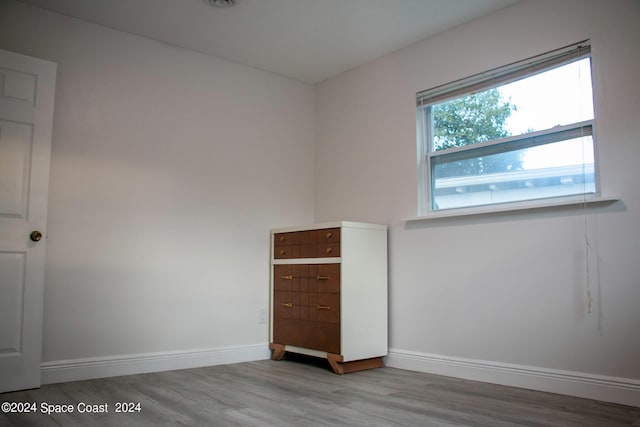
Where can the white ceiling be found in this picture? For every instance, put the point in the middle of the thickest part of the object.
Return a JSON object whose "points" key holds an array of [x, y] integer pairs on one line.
{"points": [[308, 40]]}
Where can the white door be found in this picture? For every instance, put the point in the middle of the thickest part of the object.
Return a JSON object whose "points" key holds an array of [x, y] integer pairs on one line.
{"points": [[26, 117]]}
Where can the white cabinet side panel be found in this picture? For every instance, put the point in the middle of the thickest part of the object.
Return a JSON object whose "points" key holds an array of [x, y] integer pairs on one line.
{"points": [[364, 293]]}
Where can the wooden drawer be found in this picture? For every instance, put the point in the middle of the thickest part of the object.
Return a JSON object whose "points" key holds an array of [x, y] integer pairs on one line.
{"points": [[324, 278], [308, 334], [307, 292], [307, 244], [319, 250], [307, 277], [324, 307], [306, 305], [323, 235], [314, 306]]}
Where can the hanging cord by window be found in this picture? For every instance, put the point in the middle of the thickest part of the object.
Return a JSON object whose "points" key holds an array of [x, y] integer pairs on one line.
{"points": [[585, 229], [588, 250]]}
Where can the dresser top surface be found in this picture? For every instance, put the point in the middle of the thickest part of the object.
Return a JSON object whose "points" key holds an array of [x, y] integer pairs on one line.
{"points": [[334, 224]]}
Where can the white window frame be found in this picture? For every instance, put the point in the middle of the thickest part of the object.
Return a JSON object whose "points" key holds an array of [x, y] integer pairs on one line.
{"points": [[427, 157]]}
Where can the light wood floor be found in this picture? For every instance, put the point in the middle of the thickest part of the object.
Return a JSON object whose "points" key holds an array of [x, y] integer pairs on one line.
{"points": [[306, 393]]}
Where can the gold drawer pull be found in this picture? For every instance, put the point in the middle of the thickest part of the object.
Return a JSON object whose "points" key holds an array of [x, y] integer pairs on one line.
{"points": [[323, 307], [289, 277], [323, 277], [282, 238], [288, 304], [329, 235], [328, 250], [282, 252]]}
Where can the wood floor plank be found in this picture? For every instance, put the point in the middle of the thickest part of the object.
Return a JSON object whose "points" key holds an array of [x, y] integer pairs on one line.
{"points": [[305, 392]]}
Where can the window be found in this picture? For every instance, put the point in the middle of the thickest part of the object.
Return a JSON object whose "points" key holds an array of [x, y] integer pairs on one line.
{"points": [[517, 133]]}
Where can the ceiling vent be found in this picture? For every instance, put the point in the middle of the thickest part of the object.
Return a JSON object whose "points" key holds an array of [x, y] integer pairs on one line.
{"points": [[223, 3]]}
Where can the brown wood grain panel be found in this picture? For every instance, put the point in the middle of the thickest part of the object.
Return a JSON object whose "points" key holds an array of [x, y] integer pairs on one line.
{"points": [[307, 334], [321, 250], [307, 244], [326, 235], [281, 308], [324, 307], [282, 277], [324, 278], [340, 367], [287, 239]]}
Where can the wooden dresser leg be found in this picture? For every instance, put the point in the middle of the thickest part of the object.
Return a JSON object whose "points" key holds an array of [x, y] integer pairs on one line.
{"points": [[340, 367], [277, 351], [335, 360]]}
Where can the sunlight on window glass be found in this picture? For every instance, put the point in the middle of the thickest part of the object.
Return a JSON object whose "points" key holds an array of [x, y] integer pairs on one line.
{"points": [[566, 153], [550, 170], [554, 98]]}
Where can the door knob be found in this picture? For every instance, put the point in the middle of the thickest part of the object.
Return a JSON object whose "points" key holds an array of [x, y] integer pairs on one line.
{"points": [[35, 236]]}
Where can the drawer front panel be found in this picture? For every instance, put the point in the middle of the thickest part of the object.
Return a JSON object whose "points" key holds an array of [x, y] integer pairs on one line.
{"points": [[320, 250], [290, 276], [287, 239], [324, 278], [306, 306], [314, 306], [323, 307], [307, 244], [308, 334], [307, 277]]}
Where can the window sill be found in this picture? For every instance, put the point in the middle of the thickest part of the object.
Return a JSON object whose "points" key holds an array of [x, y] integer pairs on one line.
{"points": [[517, 206]]}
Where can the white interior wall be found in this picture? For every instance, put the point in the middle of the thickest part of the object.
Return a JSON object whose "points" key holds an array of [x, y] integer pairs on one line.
{"points": [[166, 176], [507, 290], [164, 186]]}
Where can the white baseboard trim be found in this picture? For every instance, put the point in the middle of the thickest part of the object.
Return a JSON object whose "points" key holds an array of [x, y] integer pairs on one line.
{"points": [[599, 387], [58, 371]]}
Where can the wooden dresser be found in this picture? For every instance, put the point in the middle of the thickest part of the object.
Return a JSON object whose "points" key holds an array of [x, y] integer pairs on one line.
{"points": [[329, 293]]}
